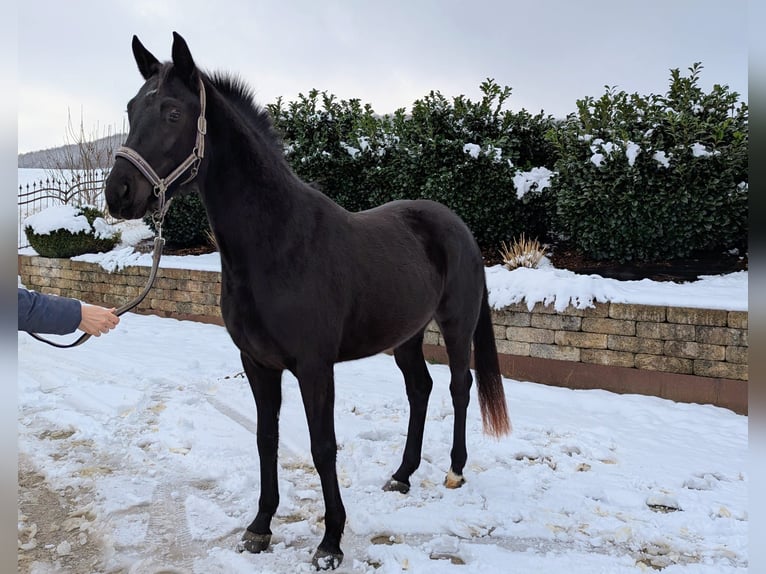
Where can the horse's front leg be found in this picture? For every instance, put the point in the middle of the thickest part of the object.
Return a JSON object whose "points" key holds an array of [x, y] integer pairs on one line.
{"points": [[318, 392], [266, 385]]}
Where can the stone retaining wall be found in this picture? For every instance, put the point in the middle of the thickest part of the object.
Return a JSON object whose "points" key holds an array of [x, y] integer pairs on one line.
{"points": [[181, 293], [690, 341], [686, 354]]}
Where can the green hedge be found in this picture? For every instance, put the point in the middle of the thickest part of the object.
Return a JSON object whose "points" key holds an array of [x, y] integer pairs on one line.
{"points": [[459, 152], [650, 178], [185, 223], [633, 177]]}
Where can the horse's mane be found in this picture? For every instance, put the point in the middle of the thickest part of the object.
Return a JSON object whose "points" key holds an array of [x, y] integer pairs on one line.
{"points": [[241, 96]]}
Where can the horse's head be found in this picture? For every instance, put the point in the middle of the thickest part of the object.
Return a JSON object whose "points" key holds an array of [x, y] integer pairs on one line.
{"points": [[165, 143]]}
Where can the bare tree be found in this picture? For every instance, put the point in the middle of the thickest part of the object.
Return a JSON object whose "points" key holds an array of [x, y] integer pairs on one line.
{"points": [[83, 163]]}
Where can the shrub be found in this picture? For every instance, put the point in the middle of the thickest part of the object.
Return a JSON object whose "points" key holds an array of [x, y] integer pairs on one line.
{"points": [[68, 231], [338, 145], [650, 178], [466, 154], [462, 153], [185, 223]]}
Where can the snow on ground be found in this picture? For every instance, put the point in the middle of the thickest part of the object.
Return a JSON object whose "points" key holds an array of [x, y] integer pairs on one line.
{"points": [[152, 427]]}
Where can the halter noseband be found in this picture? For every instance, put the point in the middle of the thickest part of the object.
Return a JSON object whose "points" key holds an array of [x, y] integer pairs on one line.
{"points": [[192, 161]]}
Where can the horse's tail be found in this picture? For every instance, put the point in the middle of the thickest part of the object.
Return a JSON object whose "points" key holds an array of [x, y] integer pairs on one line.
{"points": [[494, 413]]}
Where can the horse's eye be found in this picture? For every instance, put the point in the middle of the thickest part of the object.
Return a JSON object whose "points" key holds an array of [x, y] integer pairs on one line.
{"points": [[174, 115]]}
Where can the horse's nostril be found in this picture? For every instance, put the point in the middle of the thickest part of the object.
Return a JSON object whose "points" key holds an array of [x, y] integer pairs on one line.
{"points": [[118, 190], [115, 191]]}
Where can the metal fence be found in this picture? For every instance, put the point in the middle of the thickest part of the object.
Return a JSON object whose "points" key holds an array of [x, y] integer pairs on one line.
{"points": [[72, 189]]}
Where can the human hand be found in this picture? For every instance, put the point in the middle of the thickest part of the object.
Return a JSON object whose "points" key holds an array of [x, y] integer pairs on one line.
{"points": [[97, 320]]}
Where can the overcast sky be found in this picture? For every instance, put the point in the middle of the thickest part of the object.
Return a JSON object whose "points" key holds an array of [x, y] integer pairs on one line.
{"points": [[75, 57]]}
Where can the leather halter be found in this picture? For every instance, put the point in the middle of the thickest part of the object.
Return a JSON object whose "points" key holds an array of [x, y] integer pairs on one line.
{"points": [[161, 184]]}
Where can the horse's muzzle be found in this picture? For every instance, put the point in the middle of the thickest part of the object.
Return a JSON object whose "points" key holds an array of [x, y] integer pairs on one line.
{"points": [[127, 197]]}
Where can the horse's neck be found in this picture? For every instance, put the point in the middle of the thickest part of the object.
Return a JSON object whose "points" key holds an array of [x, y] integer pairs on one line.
{"points": [[254, 201], [249, 192], [244, 161], [246, 202]]}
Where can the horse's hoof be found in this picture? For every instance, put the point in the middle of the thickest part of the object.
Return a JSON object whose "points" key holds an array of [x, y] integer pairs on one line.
{"points": [[254, 543], [324, 560], [394, 485], [453, 480]]}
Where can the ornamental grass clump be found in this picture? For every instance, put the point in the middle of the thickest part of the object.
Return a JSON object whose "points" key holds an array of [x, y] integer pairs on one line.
{"points": [[522, 252], [67, 231]]}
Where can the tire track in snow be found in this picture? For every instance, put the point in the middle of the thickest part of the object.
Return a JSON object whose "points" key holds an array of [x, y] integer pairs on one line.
{"points": [[237, 417], [169, 543], [288, 450]]}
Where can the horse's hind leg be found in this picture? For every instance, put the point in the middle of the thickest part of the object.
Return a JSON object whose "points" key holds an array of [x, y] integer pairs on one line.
{"points": [[457, 339], [267, 390], [410, 360]]}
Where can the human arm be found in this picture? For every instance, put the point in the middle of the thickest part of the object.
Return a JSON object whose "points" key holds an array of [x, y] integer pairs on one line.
{"points": [[50, 314]]}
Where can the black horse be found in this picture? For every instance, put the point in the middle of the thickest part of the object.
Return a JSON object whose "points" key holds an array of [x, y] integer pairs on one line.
{"points": [[305, 283]]}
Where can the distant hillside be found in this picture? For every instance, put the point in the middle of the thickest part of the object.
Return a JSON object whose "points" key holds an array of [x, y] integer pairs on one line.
{"points": [[69, 156]]}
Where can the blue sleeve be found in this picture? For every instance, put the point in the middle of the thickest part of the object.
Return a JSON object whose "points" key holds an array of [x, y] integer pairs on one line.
{"points": [[50, 314]]}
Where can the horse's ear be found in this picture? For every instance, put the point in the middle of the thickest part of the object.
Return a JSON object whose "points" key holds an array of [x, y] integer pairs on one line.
{"points": [[148, 65], [183, 61]]}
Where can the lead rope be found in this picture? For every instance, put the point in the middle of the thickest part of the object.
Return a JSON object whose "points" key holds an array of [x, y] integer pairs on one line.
{"points": [[159, 242]]}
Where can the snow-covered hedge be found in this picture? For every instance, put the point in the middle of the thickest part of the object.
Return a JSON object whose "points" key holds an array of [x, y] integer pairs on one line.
{"points": [[68, 230], [654, 177], [627, 177], [463, 153]]}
